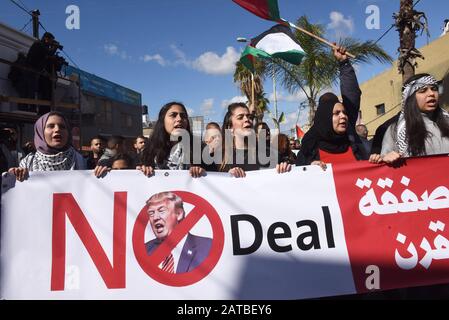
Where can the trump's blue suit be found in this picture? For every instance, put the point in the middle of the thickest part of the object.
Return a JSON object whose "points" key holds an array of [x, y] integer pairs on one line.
{"points": [[195, 250]]}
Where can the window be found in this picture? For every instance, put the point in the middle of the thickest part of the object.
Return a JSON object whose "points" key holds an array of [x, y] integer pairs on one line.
{"points": [[104, 115], [129, 121], [126, 120], [100, 116], [108, 111], [380, 108]]}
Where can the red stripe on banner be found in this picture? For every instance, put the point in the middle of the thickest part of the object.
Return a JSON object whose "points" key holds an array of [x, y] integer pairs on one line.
{"points": [[396, 219]]}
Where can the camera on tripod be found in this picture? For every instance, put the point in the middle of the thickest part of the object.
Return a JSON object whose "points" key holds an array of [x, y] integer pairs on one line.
{"points": [[55, 45], [55, 60]]}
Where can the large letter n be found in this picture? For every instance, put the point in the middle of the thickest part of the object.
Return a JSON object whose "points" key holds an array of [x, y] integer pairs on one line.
{"points": [[113, 275]]}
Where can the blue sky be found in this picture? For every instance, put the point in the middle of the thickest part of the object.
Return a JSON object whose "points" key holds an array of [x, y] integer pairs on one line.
{"points": [[185, 50]]}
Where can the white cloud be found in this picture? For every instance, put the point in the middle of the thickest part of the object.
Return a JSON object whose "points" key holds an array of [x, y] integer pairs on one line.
{"points": [[226, 103], [340, 25], [113, 50], [156, 57], [181, 57], [299, 96], [212, 63], [208, 62], [291, 120], [190, 112], [207, 106]]}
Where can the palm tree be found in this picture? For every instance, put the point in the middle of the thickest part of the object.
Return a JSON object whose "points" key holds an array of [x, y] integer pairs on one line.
{"points": [[408, 23], [262, 106], [243, 77], [319, 68]]}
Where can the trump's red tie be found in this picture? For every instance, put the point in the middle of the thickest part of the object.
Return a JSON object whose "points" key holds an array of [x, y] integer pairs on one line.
{"points": [[169, 264]]}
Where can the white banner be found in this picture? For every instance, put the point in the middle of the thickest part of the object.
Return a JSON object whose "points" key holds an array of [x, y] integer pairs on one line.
{"points": [[69, 235]]}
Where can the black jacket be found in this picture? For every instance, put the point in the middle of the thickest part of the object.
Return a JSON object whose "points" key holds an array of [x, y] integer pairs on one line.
{"points": [[351, 95], [37, 57]]}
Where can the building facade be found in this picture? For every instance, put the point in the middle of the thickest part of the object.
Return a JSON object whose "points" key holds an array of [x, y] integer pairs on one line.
{"points": [[99, 107]]}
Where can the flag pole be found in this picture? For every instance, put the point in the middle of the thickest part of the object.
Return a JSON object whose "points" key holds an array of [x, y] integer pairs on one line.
{"points": [[253, 102], [275, 97], [299, 112], [296, 124], [315, 36]]}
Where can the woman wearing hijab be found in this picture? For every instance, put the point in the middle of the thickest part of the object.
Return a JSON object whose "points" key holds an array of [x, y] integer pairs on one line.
{"points": [[423, 126], [332, 138], [54, 149]]}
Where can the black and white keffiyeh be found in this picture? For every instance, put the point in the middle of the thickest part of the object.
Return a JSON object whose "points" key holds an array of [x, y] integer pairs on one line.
{"points": [[409, 90], [64, 160]]}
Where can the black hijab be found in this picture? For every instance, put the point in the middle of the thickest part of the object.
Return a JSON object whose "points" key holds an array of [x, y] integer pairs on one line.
{"points": [[322, 135]]}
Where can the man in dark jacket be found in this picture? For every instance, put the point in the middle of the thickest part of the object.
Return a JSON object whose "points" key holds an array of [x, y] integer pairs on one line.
{"points": [[96, 151]]}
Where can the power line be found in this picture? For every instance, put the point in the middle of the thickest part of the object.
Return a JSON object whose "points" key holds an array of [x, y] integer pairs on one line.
{"points": [[26, 25], [22, 8], [23, 5], [385, 33], [393, 25], [71, 60], [43, 26]]}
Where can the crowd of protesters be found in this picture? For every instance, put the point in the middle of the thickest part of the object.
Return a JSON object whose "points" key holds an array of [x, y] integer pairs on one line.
{"points": [[240, 145]]}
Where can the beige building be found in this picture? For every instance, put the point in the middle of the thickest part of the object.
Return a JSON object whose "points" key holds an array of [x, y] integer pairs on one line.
{"points": [[381, 98]]}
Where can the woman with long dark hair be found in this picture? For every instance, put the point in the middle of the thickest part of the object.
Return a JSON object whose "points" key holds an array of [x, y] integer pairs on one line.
{"points": [[285, 153], [54, 150], [240, 151], [423, 126], [164, 150]]}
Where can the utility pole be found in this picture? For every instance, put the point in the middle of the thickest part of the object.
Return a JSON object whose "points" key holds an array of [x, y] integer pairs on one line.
{"points": [[408, 23], [35, 16]]}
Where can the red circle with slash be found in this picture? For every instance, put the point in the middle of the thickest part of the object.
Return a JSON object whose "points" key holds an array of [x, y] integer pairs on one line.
{"points": [[150, 263]]}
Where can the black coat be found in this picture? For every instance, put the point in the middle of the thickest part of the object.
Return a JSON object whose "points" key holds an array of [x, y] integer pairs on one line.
{"points": [[321, 134]]}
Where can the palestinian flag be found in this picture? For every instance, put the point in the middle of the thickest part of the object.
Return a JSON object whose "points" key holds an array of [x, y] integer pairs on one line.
{"points": [[266, 9], [278, 42], [299, 132]]}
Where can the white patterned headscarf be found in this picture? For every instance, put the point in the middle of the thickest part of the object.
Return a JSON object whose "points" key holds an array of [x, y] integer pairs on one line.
{"points": [[64, 160], [39, 161], [409, 90]]}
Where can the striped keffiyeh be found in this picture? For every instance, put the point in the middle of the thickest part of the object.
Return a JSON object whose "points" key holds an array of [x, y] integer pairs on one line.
{"points": [[64, 160], [409, 90]]}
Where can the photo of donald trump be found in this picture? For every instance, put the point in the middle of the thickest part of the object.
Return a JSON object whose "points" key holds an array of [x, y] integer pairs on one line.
{"points": [[166, 211]]}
